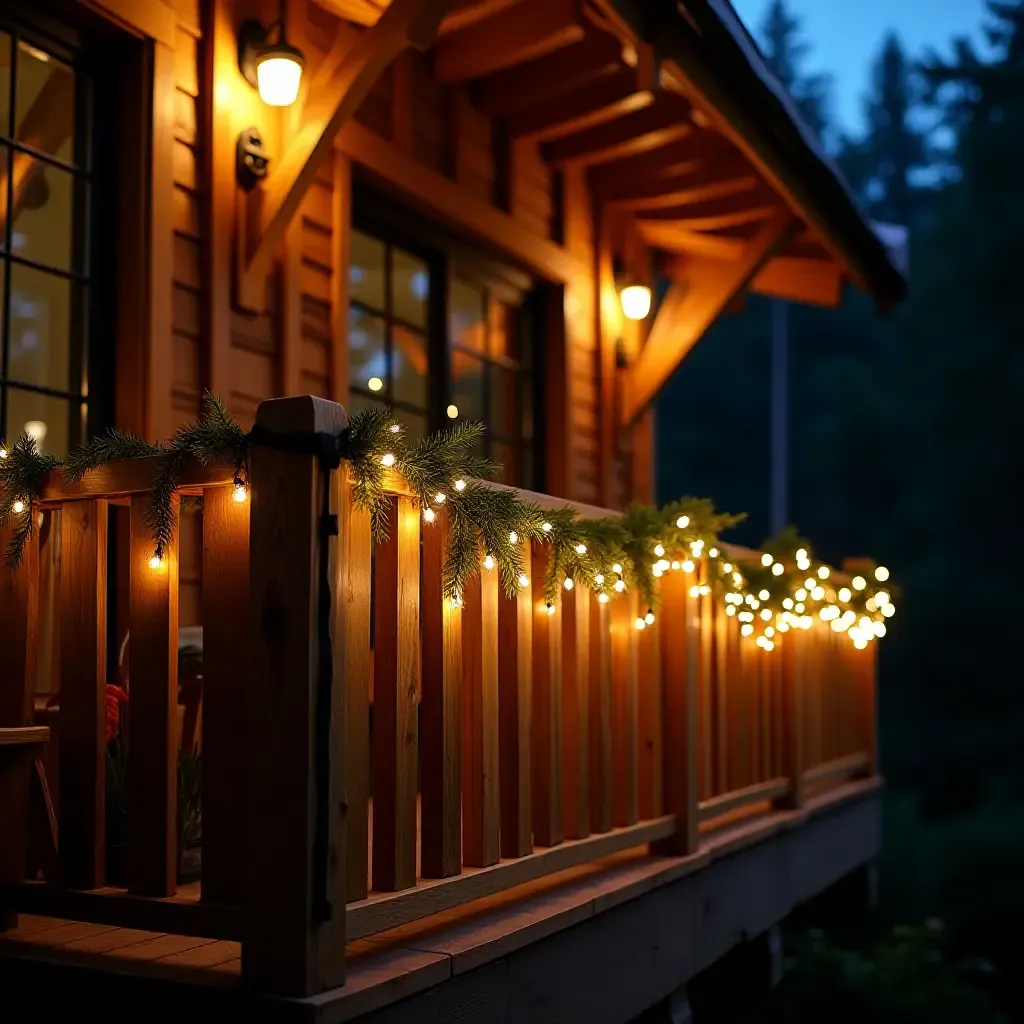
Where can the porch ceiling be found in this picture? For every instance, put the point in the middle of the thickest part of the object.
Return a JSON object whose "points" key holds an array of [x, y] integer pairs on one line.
{"points": [[661, 160]]}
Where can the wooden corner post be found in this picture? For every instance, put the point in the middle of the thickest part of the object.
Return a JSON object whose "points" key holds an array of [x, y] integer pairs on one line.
{"points": [[294, 940]]}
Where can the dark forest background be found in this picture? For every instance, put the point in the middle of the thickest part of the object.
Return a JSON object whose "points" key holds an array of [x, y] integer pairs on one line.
{"points": [[907, 445]]}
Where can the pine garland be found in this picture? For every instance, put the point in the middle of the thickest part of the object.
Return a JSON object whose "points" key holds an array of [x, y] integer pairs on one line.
{"points": [[488, 525]]}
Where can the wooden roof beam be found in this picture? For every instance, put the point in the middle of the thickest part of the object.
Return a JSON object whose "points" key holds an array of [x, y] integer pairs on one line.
{"points": [[680, 189], [508, 38], [536, 81], [814, 282], [334, 95], [719, 212], [651, 128], [619, 177], [687, 311], [682, 239]]}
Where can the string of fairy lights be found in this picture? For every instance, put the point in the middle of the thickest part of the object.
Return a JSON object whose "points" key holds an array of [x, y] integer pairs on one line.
{"points": [[491, 528]]}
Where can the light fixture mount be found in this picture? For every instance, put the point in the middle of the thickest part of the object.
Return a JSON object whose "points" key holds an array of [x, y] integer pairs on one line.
{"points": [[251, 160]]}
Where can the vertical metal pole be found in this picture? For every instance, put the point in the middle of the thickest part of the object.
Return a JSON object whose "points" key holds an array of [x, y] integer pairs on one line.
{"points": [[779, 504]]}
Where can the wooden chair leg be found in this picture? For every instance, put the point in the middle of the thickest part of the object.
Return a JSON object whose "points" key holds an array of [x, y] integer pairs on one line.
{"points": [[42, 823]]}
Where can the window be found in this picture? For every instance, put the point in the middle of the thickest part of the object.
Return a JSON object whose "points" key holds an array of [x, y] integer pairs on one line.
{"points": [[441, 334], [45, 183]]}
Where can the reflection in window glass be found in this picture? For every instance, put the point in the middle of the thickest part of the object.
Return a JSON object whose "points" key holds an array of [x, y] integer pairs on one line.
{"points": [[37, 342], [43, 417], [504, 400], [410, 288], [468, 382], [5, 84], [367, 353], [466, 323], [45, 103], [366, 271], [410, 366], [44, 216]]}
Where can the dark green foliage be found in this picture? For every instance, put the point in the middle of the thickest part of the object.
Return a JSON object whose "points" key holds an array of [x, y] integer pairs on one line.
{"points": [[22, 472], [111, 446]]}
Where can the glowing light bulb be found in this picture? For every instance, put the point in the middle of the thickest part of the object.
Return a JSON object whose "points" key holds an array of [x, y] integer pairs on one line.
{"points": [[636, 301], [801, 553], [440, 498], [428, 515], [649, 617], [546, 527], [278, 75], [746, 629], [712, 552], [375, 384], [888, 611], [766, 614], [778, 569], [620, 586], [3, 453], [688, 565], [460, 485], [156, 561], [396, 428], [695, 591], [488, 563], [845, 594], [603, 598], [787, 603], [549, 608], [801, 594], [810, 584], [524, 580], [860, 643], [683, 522], [879, 629], [616, 568], [727, 567], [769, 631], [766, 559], [640, 624], [599, 579], [568, 584], [659, 550], [457, 601], [783, 627], [763, 595], [881, 574], [676, 565], [818, 593], [453, 412], [882, 598], [513, 537], [800, 608], [581, 549], [823, 572], [859, 583], [387, 460], [240, 493], [18, 507], [730, 609]]}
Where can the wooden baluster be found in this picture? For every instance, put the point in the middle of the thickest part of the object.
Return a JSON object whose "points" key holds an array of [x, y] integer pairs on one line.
{"points": [[777, 684], [291, 945], [441, 715], [225, 596], [625, 782], [705, 686], [679, 679], [720, 672], [83, 678], [822, 640], [649, 716], [732, 697], [19, 616], [547, 711], [153, 710], [764, 678], [353, 664], [480, 813], [515, 688], [866, 681], [601, 775], [576, 712], [791, 646], [396, 669], [750, 662]]}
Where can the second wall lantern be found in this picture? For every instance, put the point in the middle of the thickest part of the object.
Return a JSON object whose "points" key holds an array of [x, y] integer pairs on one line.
{"points": [[273, 67]]}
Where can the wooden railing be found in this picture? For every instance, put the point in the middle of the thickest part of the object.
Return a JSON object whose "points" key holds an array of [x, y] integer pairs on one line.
{"points": [[450, 752]]}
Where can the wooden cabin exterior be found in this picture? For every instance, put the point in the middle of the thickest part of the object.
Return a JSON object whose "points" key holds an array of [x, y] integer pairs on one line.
{"points": [[450, 211]]}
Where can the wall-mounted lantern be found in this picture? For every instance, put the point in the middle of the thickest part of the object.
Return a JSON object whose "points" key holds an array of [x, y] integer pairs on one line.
{"points": [[273, 68]]}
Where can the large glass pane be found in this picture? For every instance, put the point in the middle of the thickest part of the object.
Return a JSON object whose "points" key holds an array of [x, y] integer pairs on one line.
{"points": [[43, 220], [47, 419], [500, 336], [468, 382], [414, 424], [410, 288], [368, 368], [505, 456], [38, 350], [5, 83], [410, 366], [366, 270], [504, 402], [526, 397], [5, 156], [466, 323], [45, 103]]}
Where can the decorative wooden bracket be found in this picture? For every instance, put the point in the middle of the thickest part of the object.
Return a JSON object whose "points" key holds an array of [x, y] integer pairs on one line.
{"points": [[687, 311], [334, 95]]}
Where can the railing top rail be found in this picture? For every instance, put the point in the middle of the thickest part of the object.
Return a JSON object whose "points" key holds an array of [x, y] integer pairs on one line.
{"points": [[131, 476]]}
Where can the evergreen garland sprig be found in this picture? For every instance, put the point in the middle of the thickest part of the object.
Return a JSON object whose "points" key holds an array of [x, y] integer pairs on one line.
{"points": [[23, 470]]}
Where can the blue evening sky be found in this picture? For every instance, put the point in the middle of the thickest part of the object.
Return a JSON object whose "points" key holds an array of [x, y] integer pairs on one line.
{"points": [[845, 35]]}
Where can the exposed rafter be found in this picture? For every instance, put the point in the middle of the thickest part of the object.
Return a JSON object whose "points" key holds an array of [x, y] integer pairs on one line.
{"points": [[334, 95], [696, 185], [816, 282], [689, 309]]}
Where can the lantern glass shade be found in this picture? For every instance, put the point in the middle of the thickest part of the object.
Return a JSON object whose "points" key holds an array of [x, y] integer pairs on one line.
{"points": [[278, 74], [636, 301]]}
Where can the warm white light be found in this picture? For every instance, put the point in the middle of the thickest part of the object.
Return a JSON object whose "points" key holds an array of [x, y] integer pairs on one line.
{"points": [[456, 601], [801, 554], [428, 515], [659, 550], [375, 384], [440, 498], [845, 594], [767, 559], [156, 562], [823, 572], [636, 301], [881, 574], [620, 586], [727, 567], [696, 548], [695, 591], [581, 549], [766, 614], [818, 593], [801, 594], [453, 412], [688, 565], [879, 629], [549, 608], [488, 563], [787, 603], [777, 569], [730, 609], [888, 611], [882, 598], [640, 624], [546, 527], [683, 522], [746, 630], [396, 428], [769, 631], [37, 430], [603, 598], [278, 78], [649, 617], [524, 580], [799, 608], [676, 565], [513, 537], [240, 493], [809, 583], [460, 485], [764, 595], [18, 507], [616, 568], [568, 584], [3, 453], [599, 579], [387, 460]]}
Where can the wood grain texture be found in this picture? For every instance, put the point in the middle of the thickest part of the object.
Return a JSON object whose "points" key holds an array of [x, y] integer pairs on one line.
{"points": [[576, 712], [720, 686], [624, 708], [289, 949], [547, 712], [118, 480], [441, 725], [225, 598], [83, 677], [480, 807], [791, 648], [515, 692], [153, 693], [649, 720], [396, 667], [704, 608], [341, 238], [600, 704], [353, 661], [678, 661]]}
